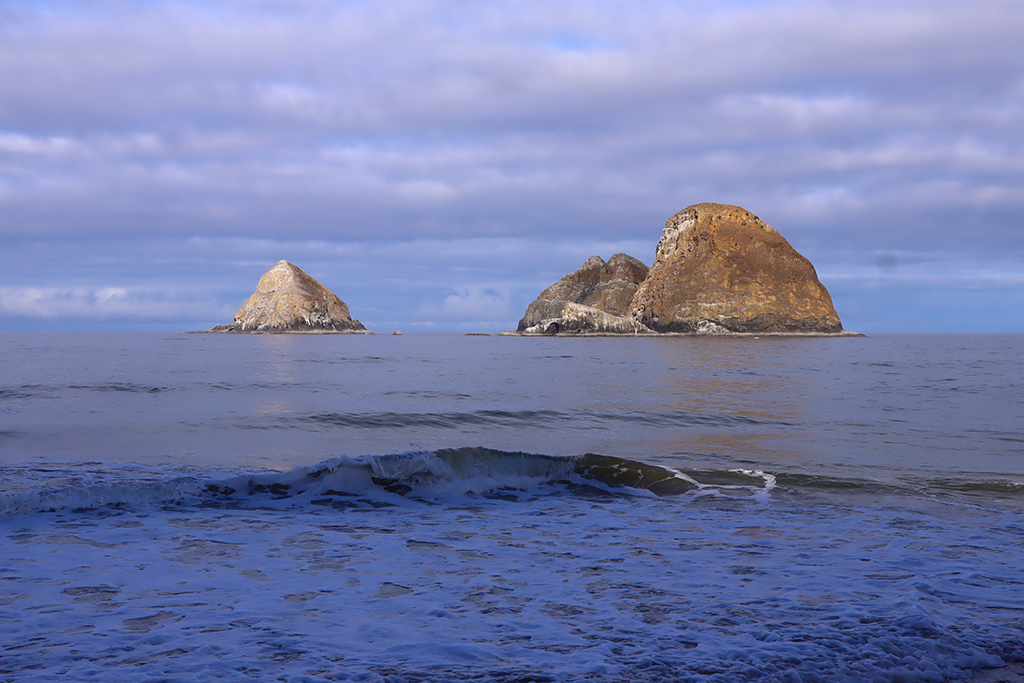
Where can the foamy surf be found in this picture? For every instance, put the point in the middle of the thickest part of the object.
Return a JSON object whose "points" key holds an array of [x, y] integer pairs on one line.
{"points": [[499, 567], [83, 497]]}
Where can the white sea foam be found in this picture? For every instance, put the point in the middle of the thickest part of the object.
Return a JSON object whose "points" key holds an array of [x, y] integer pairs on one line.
{"points": [[138, 494], [769, 482]]}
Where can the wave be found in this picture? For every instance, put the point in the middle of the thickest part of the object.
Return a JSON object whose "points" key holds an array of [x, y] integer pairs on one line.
{"points": [[120, 387], [106, 495], [430, 477], [386, 480], [435, 475], [30, 391], [533, 418]]}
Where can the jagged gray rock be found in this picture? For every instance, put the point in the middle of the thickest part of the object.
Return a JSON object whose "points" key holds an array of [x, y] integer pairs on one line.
{"points": [[608, 287], [579, 318]]}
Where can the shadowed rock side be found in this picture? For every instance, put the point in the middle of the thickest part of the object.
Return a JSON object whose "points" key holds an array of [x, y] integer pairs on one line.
{"points": [[607, 287], [719, 268], [288, 300]]}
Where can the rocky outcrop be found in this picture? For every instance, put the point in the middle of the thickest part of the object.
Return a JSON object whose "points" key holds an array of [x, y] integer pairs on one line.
{"points": [[289, 300], [579, 318], [607, 287], [719, 268]]}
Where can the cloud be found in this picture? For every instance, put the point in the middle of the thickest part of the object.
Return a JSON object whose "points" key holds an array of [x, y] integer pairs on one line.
{"points": [[478, 306], [416, 132], [24, 144], [103, 304], [945, 273]]}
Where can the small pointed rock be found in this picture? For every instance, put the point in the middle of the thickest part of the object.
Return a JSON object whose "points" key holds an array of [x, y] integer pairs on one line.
{"points": [[289, 300]]}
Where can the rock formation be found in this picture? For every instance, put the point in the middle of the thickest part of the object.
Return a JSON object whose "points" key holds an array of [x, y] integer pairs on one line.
{"points": [[579, 318], [606, 288], [719, 268], [287, 299]]}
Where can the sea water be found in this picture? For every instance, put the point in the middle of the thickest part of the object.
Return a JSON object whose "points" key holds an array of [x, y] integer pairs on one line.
{"points": [[437, 507]]}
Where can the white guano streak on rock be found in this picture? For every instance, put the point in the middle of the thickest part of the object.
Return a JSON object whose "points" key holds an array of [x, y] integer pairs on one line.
{"points": [[673, 234]]}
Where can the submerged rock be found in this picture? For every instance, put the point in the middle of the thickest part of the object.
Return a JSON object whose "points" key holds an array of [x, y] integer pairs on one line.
{"points": [[607, 287], [720, 269], [289, 300]]}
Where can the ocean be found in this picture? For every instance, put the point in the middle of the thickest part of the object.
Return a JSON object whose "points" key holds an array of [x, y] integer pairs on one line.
{"points": [[441, 507]]}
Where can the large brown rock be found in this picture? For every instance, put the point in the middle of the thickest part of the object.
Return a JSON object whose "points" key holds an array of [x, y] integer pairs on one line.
{"points": [[288, 299], [719, 268], [607, 287]]}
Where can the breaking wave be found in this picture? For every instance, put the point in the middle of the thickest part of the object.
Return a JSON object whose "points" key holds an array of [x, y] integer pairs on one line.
{"points": [[385, 480], [427, 477]]}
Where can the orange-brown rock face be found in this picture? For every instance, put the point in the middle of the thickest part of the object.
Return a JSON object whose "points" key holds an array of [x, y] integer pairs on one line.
{"points": [[608, 287], [719, 268], [288, 299]]}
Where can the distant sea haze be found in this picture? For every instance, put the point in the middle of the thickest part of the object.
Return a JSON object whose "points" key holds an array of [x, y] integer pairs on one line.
{"points": [[438, 507]]}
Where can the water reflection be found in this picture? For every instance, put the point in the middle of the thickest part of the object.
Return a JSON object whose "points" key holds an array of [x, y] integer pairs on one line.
{"points": [[730, 376], [751, 378]]}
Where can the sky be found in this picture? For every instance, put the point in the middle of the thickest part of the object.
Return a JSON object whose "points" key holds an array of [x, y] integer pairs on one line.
{"points": [[437, 163]]}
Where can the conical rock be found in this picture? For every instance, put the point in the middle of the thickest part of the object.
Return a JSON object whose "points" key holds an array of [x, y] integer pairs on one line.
{"points": [[288, 299]]}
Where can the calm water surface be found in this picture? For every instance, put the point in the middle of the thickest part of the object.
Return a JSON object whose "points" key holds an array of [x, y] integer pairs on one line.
{"points": [[887, 407]]}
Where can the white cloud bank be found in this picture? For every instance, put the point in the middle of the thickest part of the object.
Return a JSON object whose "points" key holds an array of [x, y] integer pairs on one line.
{"points": [[106, 303], [473, 307]]}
